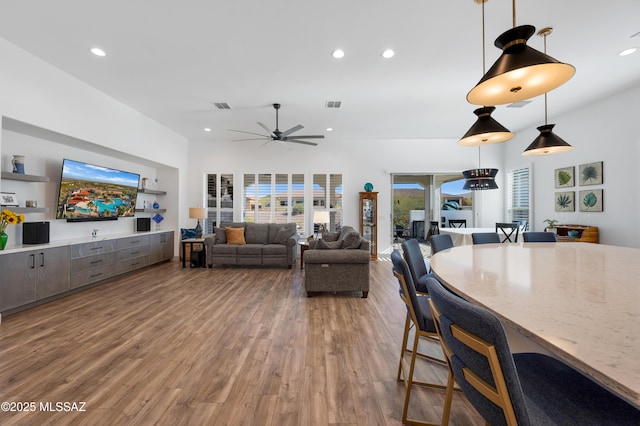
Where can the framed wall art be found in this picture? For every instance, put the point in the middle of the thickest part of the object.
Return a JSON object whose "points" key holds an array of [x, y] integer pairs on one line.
{"points": [[590, 200], [590, 173], [565, 201], [565, 177], [8, 199]]}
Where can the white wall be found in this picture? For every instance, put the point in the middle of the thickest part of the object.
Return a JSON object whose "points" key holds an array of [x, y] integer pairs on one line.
{"points": [[34, 92], [608, 131], [359, 161]]}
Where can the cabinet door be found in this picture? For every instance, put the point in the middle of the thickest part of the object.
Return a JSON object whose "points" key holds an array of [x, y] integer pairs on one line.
{"points": [[17, 280], [161, 247], [52, 266], [369, 220]]}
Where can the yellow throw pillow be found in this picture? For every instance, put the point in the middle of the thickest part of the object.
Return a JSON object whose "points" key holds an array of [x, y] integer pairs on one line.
{"points": [[235, 236]]}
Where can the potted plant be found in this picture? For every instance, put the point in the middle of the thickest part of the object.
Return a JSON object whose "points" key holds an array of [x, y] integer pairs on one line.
{"points": [[551, 225]]}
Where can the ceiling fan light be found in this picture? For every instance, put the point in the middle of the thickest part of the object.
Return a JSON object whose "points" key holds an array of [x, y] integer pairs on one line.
{"points": [[521, 72], [547, 143], [486, 130]]}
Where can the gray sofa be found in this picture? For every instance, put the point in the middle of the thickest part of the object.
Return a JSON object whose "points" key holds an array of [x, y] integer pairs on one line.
{"points": [[265, 244], [338, 263]]}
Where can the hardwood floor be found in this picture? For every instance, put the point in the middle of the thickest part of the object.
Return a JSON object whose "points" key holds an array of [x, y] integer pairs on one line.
{"points": [[220, 346]]}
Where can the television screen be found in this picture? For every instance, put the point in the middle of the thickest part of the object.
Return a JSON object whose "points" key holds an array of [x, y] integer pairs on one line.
{"points": [[89, 192]]}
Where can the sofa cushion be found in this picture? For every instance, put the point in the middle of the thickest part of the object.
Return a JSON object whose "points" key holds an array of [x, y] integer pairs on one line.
{"points": [[352, 241], [345, 231], [235, 236], [274, 250], [256, 233], [274, 228], [185, 234], [282, 236], [221, 235], [330, 236], [250, 250], [328, 245]]}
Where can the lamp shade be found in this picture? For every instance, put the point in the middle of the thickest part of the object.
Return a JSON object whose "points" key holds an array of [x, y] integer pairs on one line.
{"points": [[547, 142], [480, 179], [521, 72], [321, 216], [486, 130], [197, 213]]}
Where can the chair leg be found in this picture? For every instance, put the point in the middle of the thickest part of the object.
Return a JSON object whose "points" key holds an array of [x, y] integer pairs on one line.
{"points": [[403, 349]]}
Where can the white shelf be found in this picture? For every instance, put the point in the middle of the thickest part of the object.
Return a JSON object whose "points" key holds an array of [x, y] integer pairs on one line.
{"points": [[151, 210], [151, 191], [27, 209], [23, 177]]}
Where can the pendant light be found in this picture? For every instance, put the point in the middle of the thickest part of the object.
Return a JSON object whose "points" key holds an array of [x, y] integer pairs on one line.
{"points": [[480, 179], [547, 142], [521, 72], [486, 130]]}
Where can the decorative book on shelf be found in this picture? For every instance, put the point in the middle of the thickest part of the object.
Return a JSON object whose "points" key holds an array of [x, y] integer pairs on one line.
{"points": [[577, 233]]}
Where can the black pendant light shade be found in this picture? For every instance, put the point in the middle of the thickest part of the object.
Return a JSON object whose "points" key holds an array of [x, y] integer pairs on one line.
{"points": [[520, 73], [479, 179], [486, 130], [547, 142]]}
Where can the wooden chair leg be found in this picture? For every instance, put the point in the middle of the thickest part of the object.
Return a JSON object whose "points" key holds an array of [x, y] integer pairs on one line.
{"points": [[403, 349]]}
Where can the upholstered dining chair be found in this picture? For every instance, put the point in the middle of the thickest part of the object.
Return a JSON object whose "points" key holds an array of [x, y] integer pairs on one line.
{"points": [[440, 242], [509, 230], [417, 265], [539, 237], [434, 227], [485, 238], [516, 389], [457, 223], [419, 319]]}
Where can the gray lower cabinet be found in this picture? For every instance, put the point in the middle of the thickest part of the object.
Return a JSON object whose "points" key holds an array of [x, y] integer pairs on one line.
{"points": [[92, 262], [161, 246], [133, 253], [32, 275]]}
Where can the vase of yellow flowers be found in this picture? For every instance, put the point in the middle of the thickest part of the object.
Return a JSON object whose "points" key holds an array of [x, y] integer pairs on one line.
{"points": [[7, 217]]}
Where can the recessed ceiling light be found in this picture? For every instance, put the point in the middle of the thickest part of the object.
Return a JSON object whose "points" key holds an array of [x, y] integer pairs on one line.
{"points": [[329, 129], [388, 54], [97, 51], [628, 51], [206, 129], [338, 53]]}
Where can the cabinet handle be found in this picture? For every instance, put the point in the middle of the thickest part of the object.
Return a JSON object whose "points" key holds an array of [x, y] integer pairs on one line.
{"points": [[135, 252], [41, 259], [96, 261], [135, 242], [135, 264], [95, 275], [96, 248], [33, 261]]}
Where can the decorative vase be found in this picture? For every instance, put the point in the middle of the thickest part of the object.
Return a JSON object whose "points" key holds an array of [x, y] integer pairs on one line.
{"points": [[3, 240]]}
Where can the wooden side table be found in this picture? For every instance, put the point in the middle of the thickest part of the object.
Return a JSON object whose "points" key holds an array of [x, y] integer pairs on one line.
{"points": [[191, 242], [304, 246]]}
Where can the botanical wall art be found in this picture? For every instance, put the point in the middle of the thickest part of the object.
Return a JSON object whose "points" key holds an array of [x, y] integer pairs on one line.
{"points": [[564, 177], [590, 200], [565, 201], [590, 173]]}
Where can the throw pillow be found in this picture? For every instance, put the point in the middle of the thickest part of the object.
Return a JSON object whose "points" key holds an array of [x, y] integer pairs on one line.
{"points": [[330, 236], [221, 235], [185, 234], [328, 245], [235, 236], [352, 241], [282, 236]]}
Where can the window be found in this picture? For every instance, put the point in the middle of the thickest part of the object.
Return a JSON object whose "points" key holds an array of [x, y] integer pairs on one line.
{"points": [[518, 193], [219, 193]]}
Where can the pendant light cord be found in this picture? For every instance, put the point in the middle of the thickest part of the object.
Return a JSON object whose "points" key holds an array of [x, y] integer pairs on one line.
{"points": [[483, 43], [514, 13], [545, 93]]}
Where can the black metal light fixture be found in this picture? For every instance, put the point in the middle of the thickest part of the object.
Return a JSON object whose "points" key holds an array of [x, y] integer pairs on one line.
{"points": [[547, 142], [521, 72], [486, 130], [480, 179]]}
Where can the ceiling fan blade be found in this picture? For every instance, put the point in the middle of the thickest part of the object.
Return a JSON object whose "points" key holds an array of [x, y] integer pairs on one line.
{"points": [[250, 133], [309, 137], [303, 142], [253, 139], [266, 128], [291, 130]]}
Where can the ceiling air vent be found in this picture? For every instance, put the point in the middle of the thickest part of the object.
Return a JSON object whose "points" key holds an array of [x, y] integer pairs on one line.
{"points": [[221, 105], [333, 104], [518, 104]]}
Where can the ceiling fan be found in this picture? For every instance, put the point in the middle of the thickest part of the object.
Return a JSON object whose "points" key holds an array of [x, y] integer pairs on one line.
{"points": [[277, 135]]}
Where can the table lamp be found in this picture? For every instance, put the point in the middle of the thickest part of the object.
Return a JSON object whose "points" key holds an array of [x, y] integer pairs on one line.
{"points": [[198, 213], [321, 217]]}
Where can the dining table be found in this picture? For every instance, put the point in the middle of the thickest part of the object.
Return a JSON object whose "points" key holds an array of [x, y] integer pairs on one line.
{"points": [[579, 302], [462, 236]]}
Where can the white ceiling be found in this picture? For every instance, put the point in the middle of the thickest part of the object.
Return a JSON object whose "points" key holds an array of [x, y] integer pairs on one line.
{"points": [[171, 59]]}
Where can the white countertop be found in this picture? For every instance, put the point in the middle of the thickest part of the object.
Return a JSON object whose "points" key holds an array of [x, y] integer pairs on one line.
{"points": [[579, 301], [79, 240]]}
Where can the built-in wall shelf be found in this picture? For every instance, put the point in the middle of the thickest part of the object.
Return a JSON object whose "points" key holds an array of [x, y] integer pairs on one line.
{"points": [[152, 191], [151, 210], [28, 209], [23, 177]]}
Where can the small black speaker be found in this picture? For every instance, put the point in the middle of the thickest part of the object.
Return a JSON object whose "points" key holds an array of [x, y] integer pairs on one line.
{"points": [[35, 232], [143, 224]]}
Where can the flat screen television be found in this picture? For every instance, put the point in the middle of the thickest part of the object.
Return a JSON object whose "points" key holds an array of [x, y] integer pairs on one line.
{"points": [[89, 192]]}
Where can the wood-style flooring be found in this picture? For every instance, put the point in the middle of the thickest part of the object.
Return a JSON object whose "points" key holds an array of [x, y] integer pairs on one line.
{"points": [[221, 346]]}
